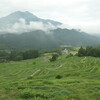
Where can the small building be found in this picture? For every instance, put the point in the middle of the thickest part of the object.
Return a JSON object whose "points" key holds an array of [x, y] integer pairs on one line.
{"points": [[65, 49]]}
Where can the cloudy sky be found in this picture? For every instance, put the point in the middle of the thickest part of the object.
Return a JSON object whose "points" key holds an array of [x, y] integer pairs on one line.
{"points": [[80, 14]]}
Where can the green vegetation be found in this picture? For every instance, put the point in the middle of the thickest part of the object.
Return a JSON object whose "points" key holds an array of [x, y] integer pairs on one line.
{"points": [[67, 78], [6, 56], [42, 40], [89, 51], [54, 57]]}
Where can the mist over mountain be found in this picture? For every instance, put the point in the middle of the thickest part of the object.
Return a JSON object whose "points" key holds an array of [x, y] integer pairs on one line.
{"points": [[19, 22], [40, 40], [27, 31], [96, 35]]}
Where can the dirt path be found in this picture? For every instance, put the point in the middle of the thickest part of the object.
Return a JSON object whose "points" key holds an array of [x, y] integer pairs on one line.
{"points": [[59, 66], [35, 72]]}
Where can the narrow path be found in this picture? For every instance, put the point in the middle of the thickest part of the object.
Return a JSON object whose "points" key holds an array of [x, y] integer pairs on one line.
{"points": [[32, 74], [59, 66], [35, 72]]}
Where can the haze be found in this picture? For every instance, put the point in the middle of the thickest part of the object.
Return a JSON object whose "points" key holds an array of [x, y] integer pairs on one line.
{"points": [[80, 14]]}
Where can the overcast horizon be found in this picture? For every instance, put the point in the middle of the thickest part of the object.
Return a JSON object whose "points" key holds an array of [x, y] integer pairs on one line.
{"points": [[79, 14]]}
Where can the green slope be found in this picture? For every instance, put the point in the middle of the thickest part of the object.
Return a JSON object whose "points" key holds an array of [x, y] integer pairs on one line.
{"points": [[36, 79]]}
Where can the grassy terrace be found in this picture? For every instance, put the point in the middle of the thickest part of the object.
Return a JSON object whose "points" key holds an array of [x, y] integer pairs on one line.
{"points": [[68, 78]]}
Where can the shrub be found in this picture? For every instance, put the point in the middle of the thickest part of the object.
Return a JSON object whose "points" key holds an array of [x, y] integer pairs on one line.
{"points": [[34, 63], [27, 93], [54, 57], [69, 55], [58, 77], [3, 61], [29, 77]]}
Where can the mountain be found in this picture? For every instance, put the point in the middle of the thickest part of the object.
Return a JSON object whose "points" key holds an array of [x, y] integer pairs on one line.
{"points": [[39, 38], [31, 40], [14, 17], [74, 37], [96, 35], [9, 21]]}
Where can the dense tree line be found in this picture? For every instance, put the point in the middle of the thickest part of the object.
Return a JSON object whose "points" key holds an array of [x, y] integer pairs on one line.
{"points": [[89, 51], [16, 56]]}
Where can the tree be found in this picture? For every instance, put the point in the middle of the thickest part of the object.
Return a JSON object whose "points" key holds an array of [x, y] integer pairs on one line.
{"points": [[12, 55], [30, 54], [81, 52], [54, 57], [89, 51], [18, 58]]}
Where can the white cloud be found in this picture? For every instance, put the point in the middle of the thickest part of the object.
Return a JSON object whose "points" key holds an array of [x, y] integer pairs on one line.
{"points": [[22, 26], [73, 12]]}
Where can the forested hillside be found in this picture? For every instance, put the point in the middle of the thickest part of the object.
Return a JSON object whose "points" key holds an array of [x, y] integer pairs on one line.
{"points": [[42, 40]]}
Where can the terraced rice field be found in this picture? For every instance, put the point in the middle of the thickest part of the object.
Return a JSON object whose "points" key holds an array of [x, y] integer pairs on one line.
{"points": [[68, 78]]}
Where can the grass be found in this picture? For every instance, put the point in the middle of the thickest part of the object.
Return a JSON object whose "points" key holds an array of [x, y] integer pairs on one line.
{"points": [[68, 78]]}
